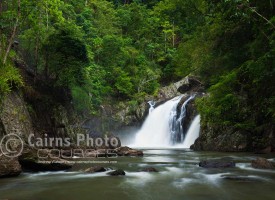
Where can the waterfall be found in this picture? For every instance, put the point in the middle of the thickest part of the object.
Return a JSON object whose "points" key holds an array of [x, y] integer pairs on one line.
{"points": [[162, 127], [192, 134], [177, 132], [152, 104], [155, 132]]}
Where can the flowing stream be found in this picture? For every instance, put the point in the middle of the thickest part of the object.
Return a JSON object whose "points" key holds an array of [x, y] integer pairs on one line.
{"points": [[179, 178]]}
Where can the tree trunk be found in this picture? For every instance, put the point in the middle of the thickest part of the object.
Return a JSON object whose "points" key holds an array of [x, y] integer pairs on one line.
{"points": [[46, 70], [36, 59], [11, 40], [173, 34], [1, 6]]}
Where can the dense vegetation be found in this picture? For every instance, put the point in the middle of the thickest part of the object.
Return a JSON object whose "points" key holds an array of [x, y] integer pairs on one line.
{"points": [[125, 49]]}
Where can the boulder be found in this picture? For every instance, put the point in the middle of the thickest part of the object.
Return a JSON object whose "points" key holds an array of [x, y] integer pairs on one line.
{"points": [[189, 84], [149, 169], [262, 163], [118, 172], [30, 162], [216, 164], [127, 151], [9, 167], [95, 169]]}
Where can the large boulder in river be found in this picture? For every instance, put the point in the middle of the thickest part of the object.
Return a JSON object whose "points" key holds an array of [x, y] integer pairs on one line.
{"points": [[216, 164], [118, 172], [262, 163], [9, 167], [127, 151]]}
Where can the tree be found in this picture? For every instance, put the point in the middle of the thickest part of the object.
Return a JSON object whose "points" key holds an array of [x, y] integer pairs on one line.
{"points": [[66, 55]]}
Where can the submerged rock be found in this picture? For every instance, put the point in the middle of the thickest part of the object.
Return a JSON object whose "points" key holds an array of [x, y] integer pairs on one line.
{"points": [[95, 169], [9, 167], [216, 164], [240, 178], [127, 151], [149, 169], [118, 172], [262, 163]]}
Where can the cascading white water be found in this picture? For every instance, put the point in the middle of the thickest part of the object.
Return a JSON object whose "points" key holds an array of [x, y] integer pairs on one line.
{"points": [[155, 131], [152, 106], [192, 134], [163, 127], [176, 129]]}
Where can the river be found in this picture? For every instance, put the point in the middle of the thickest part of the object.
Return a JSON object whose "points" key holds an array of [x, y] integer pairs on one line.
{"points": [[179, 177]]}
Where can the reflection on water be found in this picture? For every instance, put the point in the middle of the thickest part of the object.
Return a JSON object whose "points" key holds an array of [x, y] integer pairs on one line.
{"points": [[179, 177]]}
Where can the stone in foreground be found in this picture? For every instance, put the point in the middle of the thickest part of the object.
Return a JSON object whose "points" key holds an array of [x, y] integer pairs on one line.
{"points": [[95, 169], [216, 164], [118, 172], [262, 163], [149, 169], [9, 167]]}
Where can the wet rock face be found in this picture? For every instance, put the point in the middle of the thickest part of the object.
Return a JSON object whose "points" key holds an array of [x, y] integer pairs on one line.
{"points": [[14, 117], [118, 172], [9, 167], [217, 164], [262, 163], [227, 139], [231, 139]]}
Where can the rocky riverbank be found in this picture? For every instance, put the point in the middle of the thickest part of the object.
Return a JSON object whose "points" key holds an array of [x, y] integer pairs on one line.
{"points": [[231, 139], [34, 160]]}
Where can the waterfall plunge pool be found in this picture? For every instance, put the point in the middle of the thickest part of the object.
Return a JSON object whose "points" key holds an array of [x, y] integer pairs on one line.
{"points": [[179, 177]]}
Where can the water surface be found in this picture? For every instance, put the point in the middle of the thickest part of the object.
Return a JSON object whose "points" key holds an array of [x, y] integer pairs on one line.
{"points": [[179, 178]]}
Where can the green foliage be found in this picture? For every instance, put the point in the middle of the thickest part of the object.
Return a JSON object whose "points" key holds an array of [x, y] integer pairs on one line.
{"points": [[9, 78], [125, 50], [66, 55]]}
